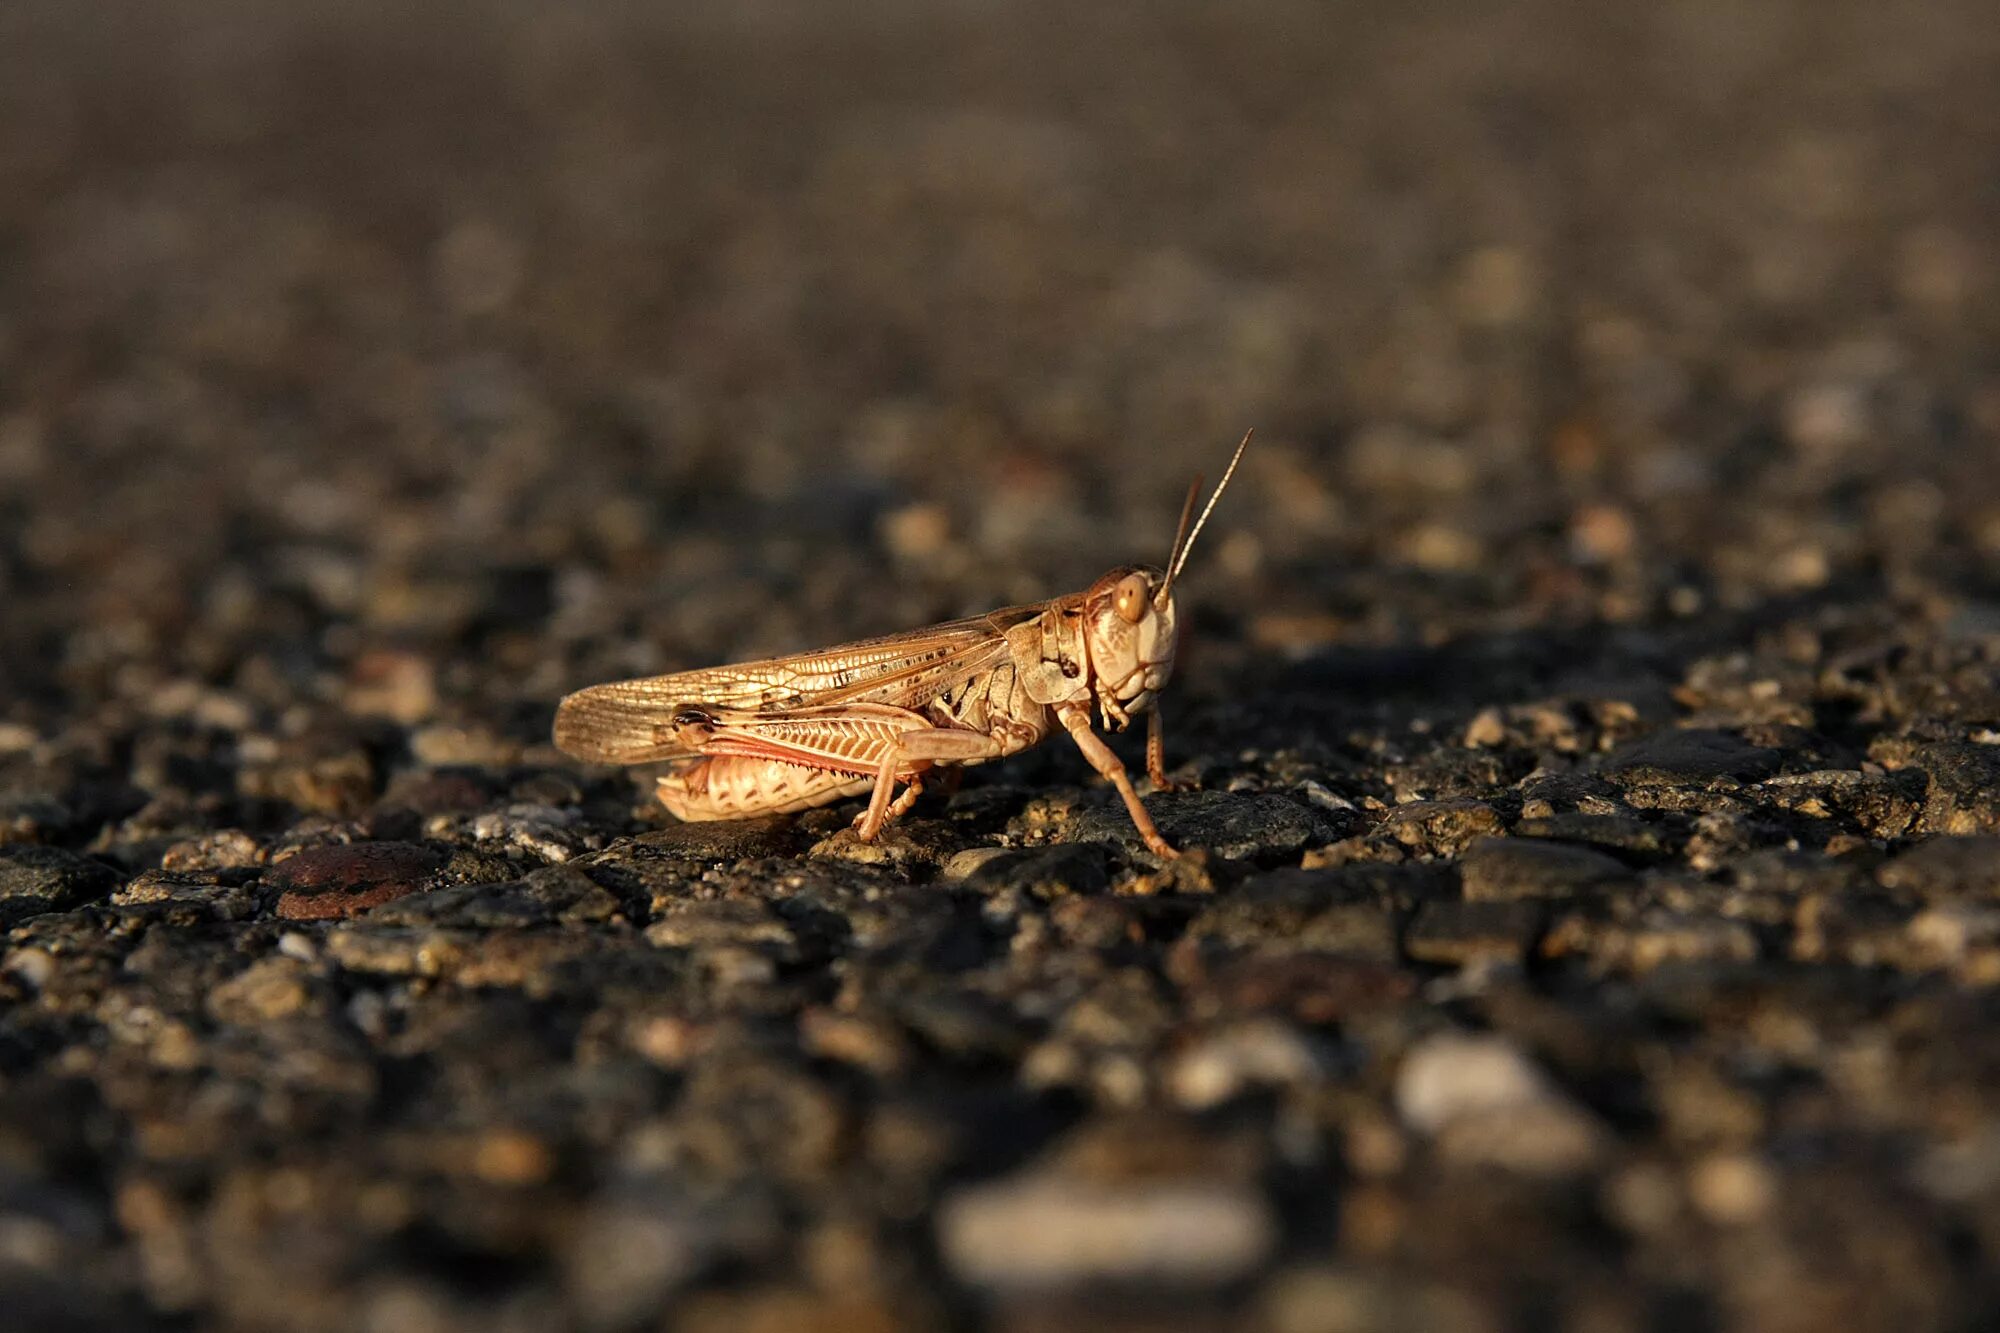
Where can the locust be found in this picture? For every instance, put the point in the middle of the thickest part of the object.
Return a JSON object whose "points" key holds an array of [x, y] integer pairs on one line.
{"points": [[791, 733]]}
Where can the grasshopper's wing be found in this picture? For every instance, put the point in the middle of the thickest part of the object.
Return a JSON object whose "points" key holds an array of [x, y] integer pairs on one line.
{"points": [[631, 721]]}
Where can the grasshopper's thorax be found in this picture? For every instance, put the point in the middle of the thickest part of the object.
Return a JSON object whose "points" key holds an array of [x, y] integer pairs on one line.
{"points": [[1051, 659], [1112, 644], [1129, 634]]}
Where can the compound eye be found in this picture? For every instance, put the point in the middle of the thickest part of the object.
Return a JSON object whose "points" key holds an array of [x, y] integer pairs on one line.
{"points": [[1131, 598]]}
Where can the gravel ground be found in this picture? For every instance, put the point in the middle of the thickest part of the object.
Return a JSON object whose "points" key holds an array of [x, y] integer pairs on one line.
{"points": [[1591, 710]]}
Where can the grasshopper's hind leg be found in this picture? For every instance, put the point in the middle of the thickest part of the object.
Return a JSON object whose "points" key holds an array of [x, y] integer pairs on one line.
{"points": [[907, 757]]}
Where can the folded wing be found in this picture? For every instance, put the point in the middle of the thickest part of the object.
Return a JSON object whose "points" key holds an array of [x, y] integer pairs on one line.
{"points": [[631, 721]]}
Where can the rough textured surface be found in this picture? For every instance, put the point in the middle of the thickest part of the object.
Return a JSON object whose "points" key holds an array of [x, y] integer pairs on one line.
{"points": [[1593, 710]]}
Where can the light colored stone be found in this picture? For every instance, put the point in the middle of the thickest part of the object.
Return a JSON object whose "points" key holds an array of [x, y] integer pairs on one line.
{"points": [[1042, 1231], [1732, 1188], [1484, 1102], [1256, 1054], [1346, 1300]]}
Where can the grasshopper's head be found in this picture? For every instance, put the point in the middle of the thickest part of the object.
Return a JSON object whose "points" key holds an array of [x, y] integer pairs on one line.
{"points": [[1128, 618], [1128, 629]]}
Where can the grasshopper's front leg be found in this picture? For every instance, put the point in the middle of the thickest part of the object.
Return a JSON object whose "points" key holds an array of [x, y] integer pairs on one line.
{"points": [[1076, 719]]}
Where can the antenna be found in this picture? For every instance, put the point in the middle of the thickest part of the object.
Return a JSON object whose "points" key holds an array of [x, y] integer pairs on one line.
{"points": [[1182, 548], [1187, 513]]}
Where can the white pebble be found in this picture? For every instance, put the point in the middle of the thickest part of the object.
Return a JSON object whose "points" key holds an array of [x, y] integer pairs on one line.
{"points": [[1042, 1232]]}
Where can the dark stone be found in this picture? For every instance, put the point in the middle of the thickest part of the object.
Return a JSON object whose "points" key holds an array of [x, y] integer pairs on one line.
{"points": [[438, 791], [1881, 805], [1498, 869], [1625, 834], [1441, 828], [36, 879], [1233, 825], [1400, 885], [1309, 987], [1639, 943], [1946, 868], [548, 897], [1674, 758], [472, 865], [1775, 870], [336, 781], [716, 840], [1044, 872], [36, 818], [962, 1026], [1351, 910], [1103, 923], [1573, 790], [1444, 775], [1865, 930], [1458, 933], [724, 923], [1963, 795], [226, 895]]}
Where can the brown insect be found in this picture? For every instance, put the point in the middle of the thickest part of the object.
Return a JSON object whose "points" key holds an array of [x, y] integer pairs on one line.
{"points": [[795, 732]]}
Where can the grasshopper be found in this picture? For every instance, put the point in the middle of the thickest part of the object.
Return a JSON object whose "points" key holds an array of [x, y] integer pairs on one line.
{"points": [[791, 733]]}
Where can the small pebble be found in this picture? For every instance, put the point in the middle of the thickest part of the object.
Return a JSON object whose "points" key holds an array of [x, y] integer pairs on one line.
{"points": [[1483, 1101], [1040, 1232]]}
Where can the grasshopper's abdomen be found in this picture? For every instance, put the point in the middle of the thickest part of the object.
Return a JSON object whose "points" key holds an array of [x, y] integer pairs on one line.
{"points": [[734, 786]]}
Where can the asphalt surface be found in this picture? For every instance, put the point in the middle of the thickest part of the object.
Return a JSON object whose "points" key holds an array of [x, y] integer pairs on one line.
{"points": [[1592, 711]]}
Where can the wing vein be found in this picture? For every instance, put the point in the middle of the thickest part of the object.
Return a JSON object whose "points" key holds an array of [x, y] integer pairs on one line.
{"points": [[630, 721]]}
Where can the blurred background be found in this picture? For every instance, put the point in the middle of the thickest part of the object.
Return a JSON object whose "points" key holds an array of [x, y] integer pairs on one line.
{"points": [[441, 360], [373, 374]]}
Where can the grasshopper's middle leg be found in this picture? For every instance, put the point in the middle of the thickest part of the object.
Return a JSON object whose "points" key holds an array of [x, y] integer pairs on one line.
{"points": [[1076, 718], [917, 750], [1156, 752]]}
